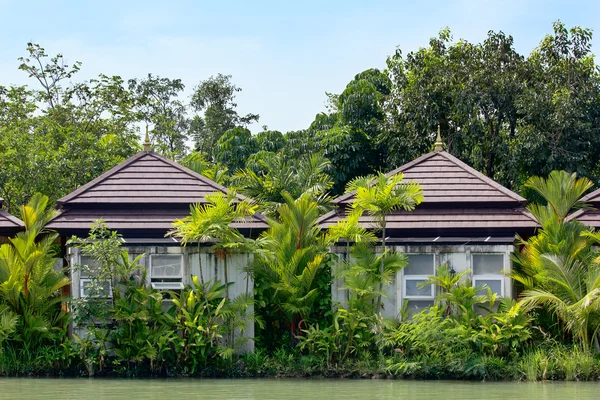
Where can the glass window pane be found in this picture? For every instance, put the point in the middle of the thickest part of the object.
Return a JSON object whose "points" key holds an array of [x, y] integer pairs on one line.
{"points": [[167, 285], [166, 266], [488, 264], [88, 266], [91, 288], [494, 284], [90, 262], [419, 264], [413, 290]]}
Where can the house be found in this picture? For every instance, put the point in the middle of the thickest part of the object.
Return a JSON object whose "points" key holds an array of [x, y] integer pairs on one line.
{"points": [[140, 198], [9, 224], [466, 221]]}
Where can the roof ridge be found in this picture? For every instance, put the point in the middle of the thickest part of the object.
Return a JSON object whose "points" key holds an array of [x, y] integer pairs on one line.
{"points": [[196, 175], [80, 190], [401, 168], [208, 181], [467, 168], [157, 157]]}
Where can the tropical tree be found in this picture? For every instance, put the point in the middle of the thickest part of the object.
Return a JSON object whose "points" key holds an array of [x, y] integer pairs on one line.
{"points": [[234, 147], [292, 252], [350, 230], [364, 278], [558, 235], [30, 286], [558, 266], [56, 135], [380, 196], [215, 98], [268, 179], [211, 221], [157, 103]]}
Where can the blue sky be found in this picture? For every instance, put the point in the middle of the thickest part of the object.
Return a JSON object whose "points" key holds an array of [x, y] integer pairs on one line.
{"points": [[284, 55]]}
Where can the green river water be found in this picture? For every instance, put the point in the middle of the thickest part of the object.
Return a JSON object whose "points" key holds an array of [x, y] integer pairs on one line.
{"points": [[174, 389]]}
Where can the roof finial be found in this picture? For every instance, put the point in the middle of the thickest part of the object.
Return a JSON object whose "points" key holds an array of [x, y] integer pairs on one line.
{"points": [[147, 143], [438, 145]]}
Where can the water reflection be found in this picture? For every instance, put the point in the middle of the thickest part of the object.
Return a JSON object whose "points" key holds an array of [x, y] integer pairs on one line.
{"points": [[88, 389]]}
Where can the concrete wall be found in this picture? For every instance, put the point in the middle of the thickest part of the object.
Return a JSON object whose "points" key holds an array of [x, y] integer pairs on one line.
{"points": [[212, 267], [457, 256]]}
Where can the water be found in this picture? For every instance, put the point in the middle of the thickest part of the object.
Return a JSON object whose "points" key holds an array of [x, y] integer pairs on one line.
{"points": [[175, 389]]}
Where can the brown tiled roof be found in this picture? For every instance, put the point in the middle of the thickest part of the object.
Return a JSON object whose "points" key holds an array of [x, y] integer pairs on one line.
{"points": [[9, 224], [440, 218], [446, 179], [456, 197], [145, 192], [587, 216], [131, 219], [593, 197], [145, 178]]}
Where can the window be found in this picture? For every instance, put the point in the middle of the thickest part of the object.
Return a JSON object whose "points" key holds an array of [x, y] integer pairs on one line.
{"points": [[92, 288], [89, 284], [487, 270], [166, 271], [419, 268]]}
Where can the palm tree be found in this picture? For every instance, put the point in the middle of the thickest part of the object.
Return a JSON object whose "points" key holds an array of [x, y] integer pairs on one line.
{"points": [[363, 277], [558, 236], [557, 267], [350, 230], [381, 196], [562, 193], [570, 289], [446, 280], [211, 221], [30, 287], [291, 254], [266, 179]]}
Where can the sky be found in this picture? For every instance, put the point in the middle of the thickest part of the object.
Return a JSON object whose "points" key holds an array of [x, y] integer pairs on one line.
{"points": [[284, 54]]}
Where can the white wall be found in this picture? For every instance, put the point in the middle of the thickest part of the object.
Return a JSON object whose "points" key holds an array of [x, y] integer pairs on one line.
{"points": [[212, 267], [456, 256]]}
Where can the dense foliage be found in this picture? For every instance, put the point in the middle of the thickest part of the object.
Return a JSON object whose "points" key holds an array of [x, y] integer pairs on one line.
{"points": [[509, 115], [132, 329]]}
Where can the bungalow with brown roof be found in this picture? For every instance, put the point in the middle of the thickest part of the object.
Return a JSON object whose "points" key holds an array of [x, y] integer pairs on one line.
{"points": [[140, 198], [466, 221], [9, 224]]}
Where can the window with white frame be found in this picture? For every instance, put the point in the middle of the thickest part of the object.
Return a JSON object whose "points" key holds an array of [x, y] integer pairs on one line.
{"points": [[166, 271], [93, 288], [420, 267], [90, 286], [487, 270]]}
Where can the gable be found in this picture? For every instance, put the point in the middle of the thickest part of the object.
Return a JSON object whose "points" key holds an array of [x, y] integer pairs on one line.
{"points": [[446, 179], [145, 193], [146, 178], [9, 222], [456, 197]]}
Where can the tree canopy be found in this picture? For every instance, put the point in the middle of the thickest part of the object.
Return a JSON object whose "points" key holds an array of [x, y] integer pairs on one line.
{"points": [[509, 115]]}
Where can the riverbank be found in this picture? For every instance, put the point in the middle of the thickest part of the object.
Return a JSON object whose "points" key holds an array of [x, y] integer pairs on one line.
{"points": [[542, 364]]}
